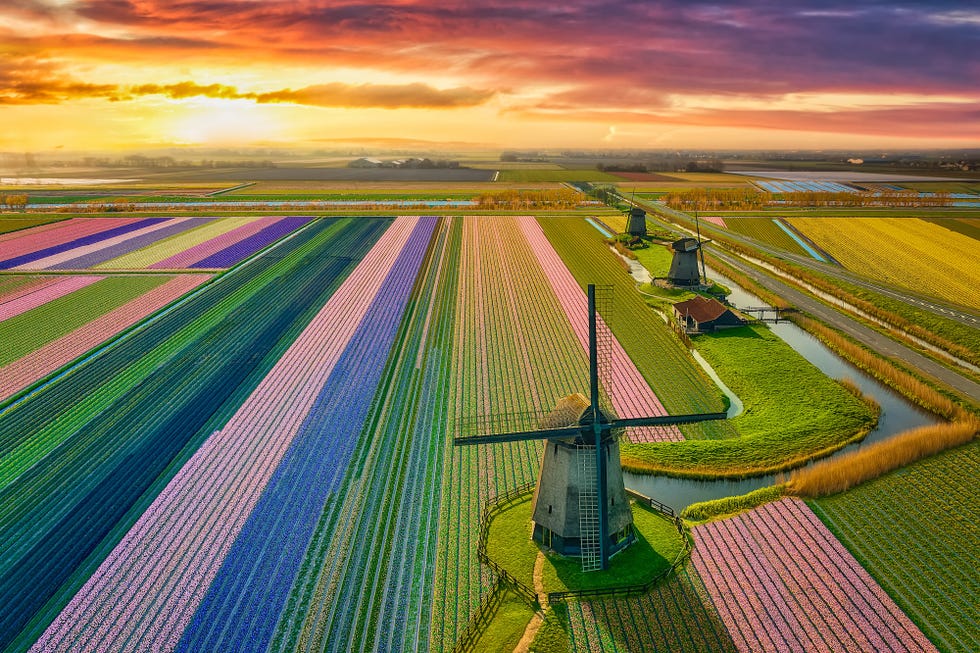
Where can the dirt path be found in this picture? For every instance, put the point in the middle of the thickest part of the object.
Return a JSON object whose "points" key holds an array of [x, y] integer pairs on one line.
{"points": [[535, 624]]}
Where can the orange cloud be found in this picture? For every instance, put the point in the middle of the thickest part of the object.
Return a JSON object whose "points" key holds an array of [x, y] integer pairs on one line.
{"points": [[387, 96]]}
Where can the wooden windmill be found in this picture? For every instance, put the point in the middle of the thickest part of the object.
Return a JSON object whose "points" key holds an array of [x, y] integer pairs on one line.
{"points": [[580, 505]]}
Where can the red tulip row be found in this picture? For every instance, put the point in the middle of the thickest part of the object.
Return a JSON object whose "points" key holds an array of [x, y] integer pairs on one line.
{"points": [[781, 581]]}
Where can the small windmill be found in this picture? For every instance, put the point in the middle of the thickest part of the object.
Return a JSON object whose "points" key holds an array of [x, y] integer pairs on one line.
{"points": [[580, 470], [636, 218]]}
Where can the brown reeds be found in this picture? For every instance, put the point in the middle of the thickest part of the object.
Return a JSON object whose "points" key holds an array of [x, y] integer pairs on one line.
{"points": [[913, 388], [836, 475]]}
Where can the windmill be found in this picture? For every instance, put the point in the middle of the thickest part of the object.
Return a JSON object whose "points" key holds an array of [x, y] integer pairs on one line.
{"points": [[580, 470], [636, 218], [684, 263]]}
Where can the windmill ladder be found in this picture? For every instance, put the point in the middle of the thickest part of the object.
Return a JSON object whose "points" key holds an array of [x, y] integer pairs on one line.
{"points": [[588, 509]]}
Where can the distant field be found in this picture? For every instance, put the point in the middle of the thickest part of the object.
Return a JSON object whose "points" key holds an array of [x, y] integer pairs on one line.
{"points": [[966, 226], [912, 253], [766, 231], [915, 531], [556, 175], [9, 224]]}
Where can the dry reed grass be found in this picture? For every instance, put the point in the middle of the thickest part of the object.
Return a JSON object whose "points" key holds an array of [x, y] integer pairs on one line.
{"points": [[833, 476]]}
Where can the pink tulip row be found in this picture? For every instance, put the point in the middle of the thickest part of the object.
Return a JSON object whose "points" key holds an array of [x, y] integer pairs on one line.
{"points": [[40, 362], [18, 243], [145, 593], [50, 262], [39, 294], [716, 219], [781, 581], [203, 250], [629, 392]]}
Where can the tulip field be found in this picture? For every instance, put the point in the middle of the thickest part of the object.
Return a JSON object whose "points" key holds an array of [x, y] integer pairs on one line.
{"points": [[781, 581], [235, 434], [139, 243]]}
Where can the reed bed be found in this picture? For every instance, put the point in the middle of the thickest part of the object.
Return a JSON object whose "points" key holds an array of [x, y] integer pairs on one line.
{"points": [[833, 476]]}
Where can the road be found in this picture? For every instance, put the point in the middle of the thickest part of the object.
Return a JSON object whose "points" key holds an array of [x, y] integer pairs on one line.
{"points": [[876, 341]]}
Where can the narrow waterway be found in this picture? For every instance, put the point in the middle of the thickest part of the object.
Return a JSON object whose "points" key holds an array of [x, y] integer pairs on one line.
{"points": [[897, 414]]}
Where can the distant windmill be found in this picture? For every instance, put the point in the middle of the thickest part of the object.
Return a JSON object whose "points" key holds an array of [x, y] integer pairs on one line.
{"points": [[636, 218], [580, 505]]}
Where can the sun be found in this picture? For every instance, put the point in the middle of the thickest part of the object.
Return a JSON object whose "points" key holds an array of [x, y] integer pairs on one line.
{"points": [[214, 121]]}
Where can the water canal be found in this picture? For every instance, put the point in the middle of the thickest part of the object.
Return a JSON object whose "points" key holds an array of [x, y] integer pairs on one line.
{"points": [[897, 415]]}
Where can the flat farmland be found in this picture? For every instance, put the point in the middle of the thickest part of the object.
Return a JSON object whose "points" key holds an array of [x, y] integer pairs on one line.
{"points": [[906, 252], [265, 461]]}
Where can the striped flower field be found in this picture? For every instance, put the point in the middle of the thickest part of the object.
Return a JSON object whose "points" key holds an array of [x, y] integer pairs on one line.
{"points": [[781, 581], [141, 243], [235, 434]]}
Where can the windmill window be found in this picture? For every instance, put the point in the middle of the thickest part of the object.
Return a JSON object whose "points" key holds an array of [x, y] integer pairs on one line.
{"points": [[549, 509], [556, 447]]}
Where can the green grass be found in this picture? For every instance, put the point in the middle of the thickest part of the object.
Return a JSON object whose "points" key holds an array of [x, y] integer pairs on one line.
{"points": [[526, 175], [915, 531], [9, 224], [507, 627], [793, 412], [766, 231], [32, 329], [510, 545], [730, 506], [552, 637]]}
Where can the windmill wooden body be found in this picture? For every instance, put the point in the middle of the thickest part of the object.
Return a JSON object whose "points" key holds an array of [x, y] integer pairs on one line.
{"points": [[580, 504]]}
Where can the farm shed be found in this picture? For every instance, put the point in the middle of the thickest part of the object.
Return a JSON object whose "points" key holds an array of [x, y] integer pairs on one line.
{"points": [[703, 314]]}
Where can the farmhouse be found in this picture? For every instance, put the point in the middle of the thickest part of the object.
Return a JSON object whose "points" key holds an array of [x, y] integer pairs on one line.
{"points": [[702, 314]]}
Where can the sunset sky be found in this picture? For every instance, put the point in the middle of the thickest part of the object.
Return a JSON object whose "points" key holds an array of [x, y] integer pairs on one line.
{"points": [[87, 74]]}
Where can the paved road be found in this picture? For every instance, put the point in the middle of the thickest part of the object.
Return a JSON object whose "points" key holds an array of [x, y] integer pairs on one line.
{"points": [[855, 329]]}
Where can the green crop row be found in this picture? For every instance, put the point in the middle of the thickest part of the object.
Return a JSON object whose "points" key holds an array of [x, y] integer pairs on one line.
{"points": [[766, 231], [33, 329]]}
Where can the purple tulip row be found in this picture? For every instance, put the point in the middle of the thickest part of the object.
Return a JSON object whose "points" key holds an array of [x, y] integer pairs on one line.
{"points": [[238, 251], [241, 609], [214, 245], [629, 392], [147, 590], [781, 581], [90, 238], [20, 243], [92, 255], [42, 293], [40, 362]]}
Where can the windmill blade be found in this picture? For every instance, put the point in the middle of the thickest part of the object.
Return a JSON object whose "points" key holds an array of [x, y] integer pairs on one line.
{"points": [[665, 420], [520, 436]]}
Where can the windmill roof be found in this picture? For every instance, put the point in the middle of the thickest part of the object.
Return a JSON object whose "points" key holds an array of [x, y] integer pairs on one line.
{"points": [[685, 245], [702, 309]]}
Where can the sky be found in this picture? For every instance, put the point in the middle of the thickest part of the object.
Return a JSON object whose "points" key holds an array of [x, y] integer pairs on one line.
{"points": [[754, 74]]}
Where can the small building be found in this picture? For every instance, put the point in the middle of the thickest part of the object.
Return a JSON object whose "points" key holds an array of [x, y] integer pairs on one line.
{"points": [[365, 162], [703, 314]]}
